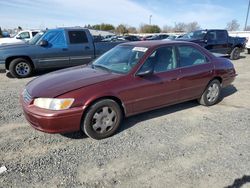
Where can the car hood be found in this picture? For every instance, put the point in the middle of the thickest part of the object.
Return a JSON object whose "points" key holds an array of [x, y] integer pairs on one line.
{"points": [[59, 82], [14, 46]]}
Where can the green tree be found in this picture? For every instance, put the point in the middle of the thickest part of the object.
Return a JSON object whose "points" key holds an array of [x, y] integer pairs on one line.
{"points": [[150, 29], [103, 27]]}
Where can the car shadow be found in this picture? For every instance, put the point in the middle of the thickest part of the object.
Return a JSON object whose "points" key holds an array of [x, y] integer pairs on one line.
{"points": [[133, 120], [240, 182]]}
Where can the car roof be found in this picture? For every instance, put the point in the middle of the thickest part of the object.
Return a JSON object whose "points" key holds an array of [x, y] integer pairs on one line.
{"points": [[150, 44]]}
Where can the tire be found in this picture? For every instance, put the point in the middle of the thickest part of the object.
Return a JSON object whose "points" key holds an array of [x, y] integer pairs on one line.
{"points": [[235, 54], [102, 119], [20, 68], [211, 95], [248, 51]]}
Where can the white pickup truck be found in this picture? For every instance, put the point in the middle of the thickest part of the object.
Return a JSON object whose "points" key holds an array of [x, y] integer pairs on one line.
{"points": [[20, 37], [245, 34]]}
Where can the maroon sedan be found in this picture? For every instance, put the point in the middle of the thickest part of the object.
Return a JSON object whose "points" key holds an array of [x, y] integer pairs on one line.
{"points": [[129, 79]]}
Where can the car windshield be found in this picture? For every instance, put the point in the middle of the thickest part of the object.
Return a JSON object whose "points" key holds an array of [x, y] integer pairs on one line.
{"points": [[195, 35], [120, 59], [36, 38]]}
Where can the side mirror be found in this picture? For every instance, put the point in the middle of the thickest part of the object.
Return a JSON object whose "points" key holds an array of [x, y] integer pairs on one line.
{"points": [[43, 43], [18, 37], [145, 71]]}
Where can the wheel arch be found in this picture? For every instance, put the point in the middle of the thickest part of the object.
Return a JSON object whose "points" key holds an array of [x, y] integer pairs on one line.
{"points": [[11, 58], [112, 97]]}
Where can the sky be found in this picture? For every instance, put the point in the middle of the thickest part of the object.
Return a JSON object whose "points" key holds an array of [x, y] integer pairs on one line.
{"points": [[40, 14]]}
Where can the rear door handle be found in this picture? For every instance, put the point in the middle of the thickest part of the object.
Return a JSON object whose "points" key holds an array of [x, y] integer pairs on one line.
{"points": [[87, 47], [65, 49]]}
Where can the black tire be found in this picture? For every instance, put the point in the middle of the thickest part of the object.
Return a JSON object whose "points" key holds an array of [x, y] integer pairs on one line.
{"points": [[20, 68], [207, 99], [248, 51], [98, 122], [235, 54]]}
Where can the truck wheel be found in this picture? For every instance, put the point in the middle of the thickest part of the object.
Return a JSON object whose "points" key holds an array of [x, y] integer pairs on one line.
{"points": [[20, 68], [235, 54], [248, 51], [102, 119], [212, 94]]}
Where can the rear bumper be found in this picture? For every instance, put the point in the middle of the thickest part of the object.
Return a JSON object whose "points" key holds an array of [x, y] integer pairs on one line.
{"points": [[229, 80], [53, 121]]}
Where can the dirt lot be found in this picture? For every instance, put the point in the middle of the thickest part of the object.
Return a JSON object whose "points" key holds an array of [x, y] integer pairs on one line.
{"points": [[185, 145]]}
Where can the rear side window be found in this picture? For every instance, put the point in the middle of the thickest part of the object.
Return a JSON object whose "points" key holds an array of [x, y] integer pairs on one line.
{"points": [[77, 37], [189, 56]]}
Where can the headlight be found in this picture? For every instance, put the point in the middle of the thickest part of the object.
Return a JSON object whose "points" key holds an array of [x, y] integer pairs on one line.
{"points": [[53, 104]]}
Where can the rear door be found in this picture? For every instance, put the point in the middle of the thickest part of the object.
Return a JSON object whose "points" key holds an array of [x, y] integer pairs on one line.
{"points": [[81, 48], [217, 41], [195, 71]]}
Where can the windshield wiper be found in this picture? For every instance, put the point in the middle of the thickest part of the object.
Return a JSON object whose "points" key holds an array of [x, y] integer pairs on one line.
{"points": [[101, 67]]}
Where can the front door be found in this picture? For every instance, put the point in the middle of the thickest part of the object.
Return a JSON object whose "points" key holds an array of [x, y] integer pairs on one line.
{"points": [[160, 88], [55, 54]]}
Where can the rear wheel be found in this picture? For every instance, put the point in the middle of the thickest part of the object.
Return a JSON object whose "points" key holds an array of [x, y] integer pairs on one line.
{"points": [[212, 94], [20, 68], [102, 119], [248, 51], [235, 54]]}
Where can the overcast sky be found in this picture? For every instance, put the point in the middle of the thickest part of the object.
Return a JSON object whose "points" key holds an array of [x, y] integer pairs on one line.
{"points": [[55, 13]]}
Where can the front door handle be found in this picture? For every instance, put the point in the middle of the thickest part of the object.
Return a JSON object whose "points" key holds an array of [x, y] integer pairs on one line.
{"points": [[65, 49], [87, 47]]}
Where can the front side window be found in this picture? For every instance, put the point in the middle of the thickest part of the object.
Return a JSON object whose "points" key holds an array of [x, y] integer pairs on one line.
{"points": [[120, 59], [189, 56], [77, 37], [55, 38], [162, 59], [24, 35]]}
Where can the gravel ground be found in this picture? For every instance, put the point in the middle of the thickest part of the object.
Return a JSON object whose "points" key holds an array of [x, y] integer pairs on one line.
{"points": [[185, 145]]}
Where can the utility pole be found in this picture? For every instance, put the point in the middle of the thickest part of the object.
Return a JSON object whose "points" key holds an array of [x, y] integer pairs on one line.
{"points": [[150, 17], [247, 15]]}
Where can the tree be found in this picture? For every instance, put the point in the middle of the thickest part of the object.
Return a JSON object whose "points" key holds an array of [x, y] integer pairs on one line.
{"points": [[103, 27], [192, 26], [180, 27], [167, 29], [132, 30], [121, 29], [233, 25], [150, 29], [248, 28]]}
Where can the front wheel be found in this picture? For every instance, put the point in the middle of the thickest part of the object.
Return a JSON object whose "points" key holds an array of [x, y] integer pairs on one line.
{"points": [[235, 54], [102, 119], [20, 68], [212, 94]]}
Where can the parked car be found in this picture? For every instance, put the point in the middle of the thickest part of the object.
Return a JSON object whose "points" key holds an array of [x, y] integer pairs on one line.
{"points": [[245, 34], [217, 41], [55, 48], [158, 37], [131, 38], [20, 37], [129, 79]]}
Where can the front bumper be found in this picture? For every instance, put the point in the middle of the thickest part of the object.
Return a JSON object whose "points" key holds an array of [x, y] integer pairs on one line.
{"points": [[53, 121]]}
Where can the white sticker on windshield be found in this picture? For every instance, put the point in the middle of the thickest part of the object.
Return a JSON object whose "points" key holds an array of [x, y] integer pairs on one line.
{"points": [[140, 49]]}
